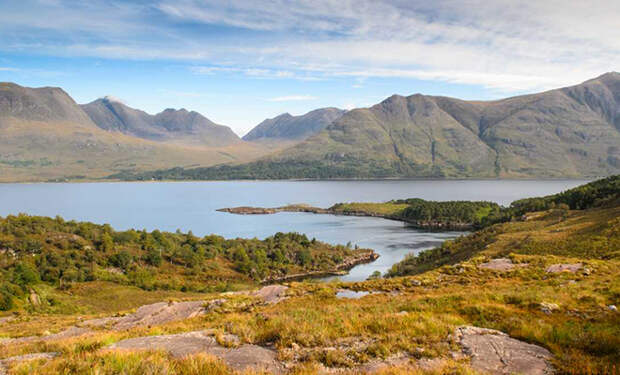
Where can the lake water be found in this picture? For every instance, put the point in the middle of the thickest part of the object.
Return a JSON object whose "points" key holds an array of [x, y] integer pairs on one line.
{"points": [[191, 206]]}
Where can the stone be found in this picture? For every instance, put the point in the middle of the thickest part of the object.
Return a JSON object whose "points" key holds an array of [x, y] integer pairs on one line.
{"points": [[548, 308], [495, 352], [244, 357], [500, 264], [612, 308], [564, 267], [271, 294]]}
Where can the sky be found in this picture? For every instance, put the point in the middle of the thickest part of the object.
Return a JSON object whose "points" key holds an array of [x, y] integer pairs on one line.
{"points": [[238, 62]]}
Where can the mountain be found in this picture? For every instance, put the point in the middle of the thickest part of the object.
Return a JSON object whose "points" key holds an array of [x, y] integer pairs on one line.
{"points": [[288, 127], [180, 126], [567, 132], [45, 135]]}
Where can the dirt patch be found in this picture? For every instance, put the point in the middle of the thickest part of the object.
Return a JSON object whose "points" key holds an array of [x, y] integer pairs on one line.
{"points": [[500, 264], [564, 267], [495, 352], [241, 358]]}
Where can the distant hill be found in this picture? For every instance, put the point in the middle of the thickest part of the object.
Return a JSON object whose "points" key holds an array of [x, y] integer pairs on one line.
{"points": [[45, 135], [567, 132], [180, 126], [288, 127]]}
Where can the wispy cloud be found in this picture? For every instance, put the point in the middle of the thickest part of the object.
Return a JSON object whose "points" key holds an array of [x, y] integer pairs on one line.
{"points": [[292, 98], [502, 45], [7, 69]]}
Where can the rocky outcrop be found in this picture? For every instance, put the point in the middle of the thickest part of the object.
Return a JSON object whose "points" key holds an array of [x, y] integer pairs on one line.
{"points": [[244, 357], [160, 313], [495, 352]]}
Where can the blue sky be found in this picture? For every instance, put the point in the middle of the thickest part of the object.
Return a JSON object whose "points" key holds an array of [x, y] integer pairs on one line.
{"points": [[239, 62]]}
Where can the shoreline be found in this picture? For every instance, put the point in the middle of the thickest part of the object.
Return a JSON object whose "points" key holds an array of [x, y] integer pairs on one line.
{"points": [[341, 269]]}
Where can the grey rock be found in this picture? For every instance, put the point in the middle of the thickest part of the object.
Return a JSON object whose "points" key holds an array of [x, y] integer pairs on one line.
{"points": [[494, 352]]}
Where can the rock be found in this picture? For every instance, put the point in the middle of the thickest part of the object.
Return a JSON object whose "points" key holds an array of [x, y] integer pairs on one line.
{"points": [[6, 362], [495, 352], [500, 264], [548, 308], [564, 267], [271, 294], [34, 298], [160, 313], [245, 357], [612, 308]]}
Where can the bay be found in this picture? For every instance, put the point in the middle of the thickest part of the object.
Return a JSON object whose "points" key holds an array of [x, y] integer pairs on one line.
{"points": [[192, 206]]}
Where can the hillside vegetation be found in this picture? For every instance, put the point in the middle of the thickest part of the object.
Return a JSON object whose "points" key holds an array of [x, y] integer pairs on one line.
{"points": [[36, 250], [583, 222]]}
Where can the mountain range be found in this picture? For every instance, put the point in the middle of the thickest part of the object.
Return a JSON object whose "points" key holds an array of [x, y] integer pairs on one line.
{"points": [[566, 132], [45, 135]]}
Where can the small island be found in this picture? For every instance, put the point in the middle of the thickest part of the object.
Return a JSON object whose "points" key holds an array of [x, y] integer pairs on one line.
{"points": [[418, 213]]}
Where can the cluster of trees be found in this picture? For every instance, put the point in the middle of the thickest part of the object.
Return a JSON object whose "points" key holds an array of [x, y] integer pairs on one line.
{"points": [[468, 212], [39, 249], [603, 192]]}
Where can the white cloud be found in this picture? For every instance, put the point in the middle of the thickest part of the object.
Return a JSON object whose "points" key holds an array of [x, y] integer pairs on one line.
{"points": [[501, 44], [7, 69], [292, 98]]}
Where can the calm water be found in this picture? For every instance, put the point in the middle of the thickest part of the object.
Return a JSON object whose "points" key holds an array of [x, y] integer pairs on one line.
{"points": [[192, 205]]}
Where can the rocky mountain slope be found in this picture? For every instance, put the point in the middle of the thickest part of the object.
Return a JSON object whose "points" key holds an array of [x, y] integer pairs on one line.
{"points": [[170, 125], [573, 131], [567, 132], [289, 127], [45, 135]]}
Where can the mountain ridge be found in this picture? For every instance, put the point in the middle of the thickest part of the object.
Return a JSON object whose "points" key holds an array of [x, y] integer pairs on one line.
{"points": [[294, 128], [169, 125], [566, 132]]}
